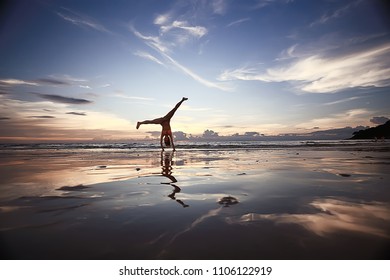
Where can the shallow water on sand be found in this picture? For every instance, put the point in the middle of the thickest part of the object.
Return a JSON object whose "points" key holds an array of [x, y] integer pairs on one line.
{"points": [[299, 203]]}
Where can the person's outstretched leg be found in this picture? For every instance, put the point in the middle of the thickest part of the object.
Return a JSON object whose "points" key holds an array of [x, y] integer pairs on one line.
{"points": [[155, 121], [172, 112]]}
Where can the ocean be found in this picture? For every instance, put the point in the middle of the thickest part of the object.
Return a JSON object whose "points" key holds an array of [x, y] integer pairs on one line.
{"points": [[202, 145]]}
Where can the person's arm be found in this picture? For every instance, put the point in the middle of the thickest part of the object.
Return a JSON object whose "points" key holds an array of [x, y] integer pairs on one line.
{"points": [[161, 141], [172, 112], [173, 145]]}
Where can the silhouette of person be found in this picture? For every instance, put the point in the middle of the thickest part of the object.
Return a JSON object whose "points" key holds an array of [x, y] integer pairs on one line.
{"points": [[166, 171], [166, 132]]}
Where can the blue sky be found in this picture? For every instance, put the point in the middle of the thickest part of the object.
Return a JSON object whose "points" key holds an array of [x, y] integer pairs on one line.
{"points": [[89, 70]]}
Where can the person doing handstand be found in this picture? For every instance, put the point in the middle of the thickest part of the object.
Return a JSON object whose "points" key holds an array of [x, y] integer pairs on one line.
{"points": [[166, 132]]}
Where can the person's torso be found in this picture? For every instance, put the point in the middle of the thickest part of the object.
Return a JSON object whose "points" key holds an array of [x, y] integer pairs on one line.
{"points": [[166, 125]]}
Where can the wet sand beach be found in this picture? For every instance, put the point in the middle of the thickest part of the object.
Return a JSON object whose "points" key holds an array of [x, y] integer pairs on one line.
{"points": [[304, 202]]}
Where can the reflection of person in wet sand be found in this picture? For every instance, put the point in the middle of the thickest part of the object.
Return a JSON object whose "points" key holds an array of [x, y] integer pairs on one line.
{"points": [[166, 166], [166, 132]]}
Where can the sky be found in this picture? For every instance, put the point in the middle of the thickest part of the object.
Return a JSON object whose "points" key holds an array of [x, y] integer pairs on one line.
{"points": [[89, 70]]}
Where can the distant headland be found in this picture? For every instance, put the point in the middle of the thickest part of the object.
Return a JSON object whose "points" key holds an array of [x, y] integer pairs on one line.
{"points": [[379, 132]]}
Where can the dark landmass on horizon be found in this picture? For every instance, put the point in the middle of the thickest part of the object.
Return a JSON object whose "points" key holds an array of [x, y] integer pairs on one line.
{"points": [[379, 132]]}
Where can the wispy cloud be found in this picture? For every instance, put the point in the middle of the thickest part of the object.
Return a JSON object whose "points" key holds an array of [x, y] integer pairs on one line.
{"points": [[133, 97], [354, 117], [243, 73], [176, 28], [152, 41], [264, 3], [195, 31], [42, 117], [288, 53], [52, 80], [63, 80], [175, 32], [76, 113], [24, 120], [148, 56], [335, 13], [219, 6], [156, 43], [17, 82], [379, 120], [68, 79], [62, 99], [321, 74], [162, 19], [343, 100], [196, 77], [238, 22], [81, 20]]}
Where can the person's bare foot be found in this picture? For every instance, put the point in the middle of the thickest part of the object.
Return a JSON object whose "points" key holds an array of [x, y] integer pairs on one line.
{"points": [[185, 98], [138, 124]]}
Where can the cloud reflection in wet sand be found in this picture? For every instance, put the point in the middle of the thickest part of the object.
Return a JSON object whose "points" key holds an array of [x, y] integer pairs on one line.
{"points": [[335, 215], [156, 205]]}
